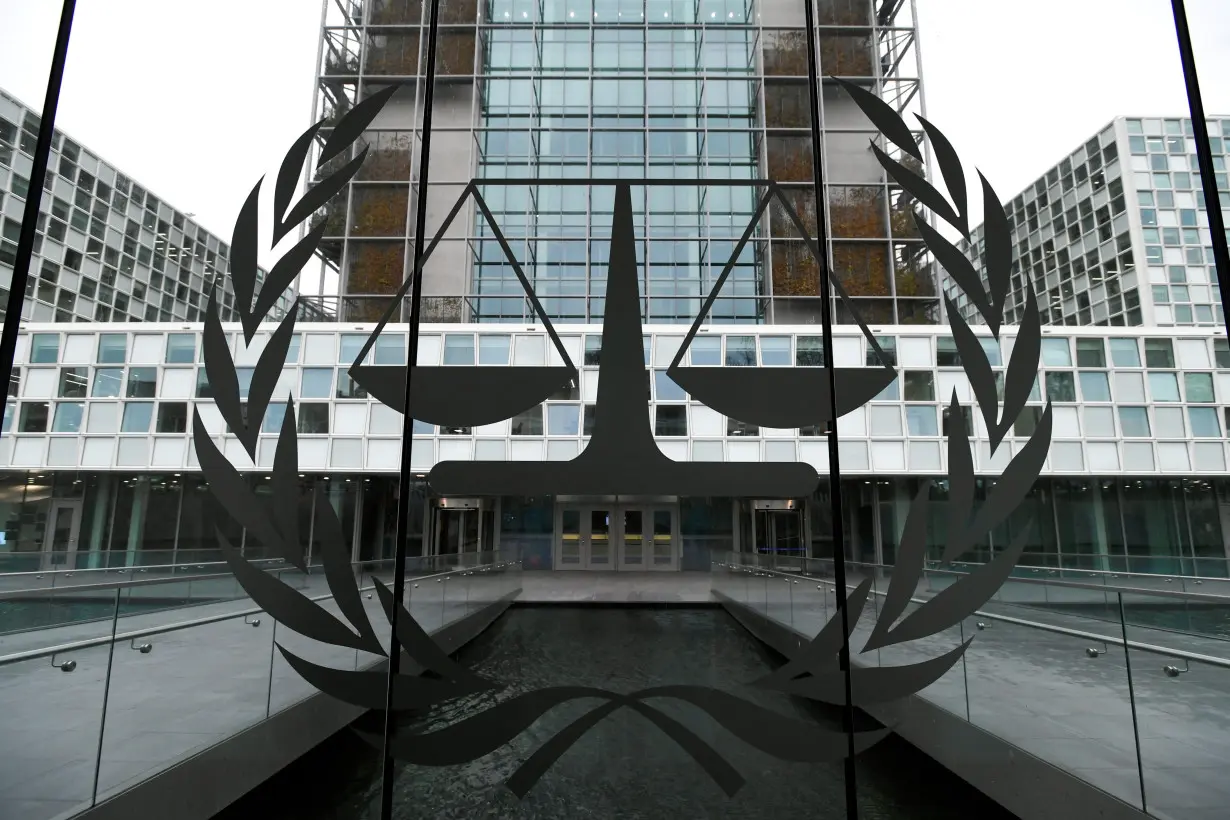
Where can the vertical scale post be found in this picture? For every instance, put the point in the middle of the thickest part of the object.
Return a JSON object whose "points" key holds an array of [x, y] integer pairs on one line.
{"points": [[1204, 156], [826, 319], [34, 198], [404, 493]]}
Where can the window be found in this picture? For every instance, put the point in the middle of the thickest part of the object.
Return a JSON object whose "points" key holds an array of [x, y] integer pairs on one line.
{"points": [[1056, 353], [1198, 387], [587, 423], [244, 376], [275, 415], [1159, 353], [1164, 386], [34, 417], [459, 348], [1204, 422], [348, 388], [1221, 352], [1124, 353], [1060, 387], [1095, 386], [181, 348], [1168, 422], [73, 382], [775, 350], [44, 348], [920, 421], [1090, 353], [888, 344], [390, 349], [173, 417], [593, 350], [946, 352], [112, 348], [107, 382], [671, 420], [665, 388], [528, 422], [495, 349], [315, 382], [142, 382], [68, 417], [314, 417], [919, 385], [735, 427], [740, 351], [351, 344], [810, 352], [563, 419], [137, 416], [1134, 421]]}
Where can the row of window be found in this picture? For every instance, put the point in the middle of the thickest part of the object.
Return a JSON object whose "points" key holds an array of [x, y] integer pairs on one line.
{"points": [[705, 350], [573, 419]]}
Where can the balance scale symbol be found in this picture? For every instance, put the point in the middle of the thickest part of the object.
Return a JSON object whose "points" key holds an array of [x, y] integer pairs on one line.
{"points": [[621, 457]]}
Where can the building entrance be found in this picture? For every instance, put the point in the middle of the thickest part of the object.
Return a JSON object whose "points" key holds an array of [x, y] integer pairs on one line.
{"points": [[624, 536], [63, 530], [778, 529], [461, 527]]}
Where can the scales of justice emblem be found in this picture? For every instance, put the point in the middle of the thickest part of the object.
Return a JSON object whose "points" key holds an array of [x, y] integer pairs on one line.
{"points": [[621, 458]]}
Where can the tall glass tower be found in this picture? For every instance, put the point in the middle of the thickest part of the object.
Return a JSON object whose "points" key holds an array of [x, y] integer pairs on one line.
{"points": [[662, 90]]}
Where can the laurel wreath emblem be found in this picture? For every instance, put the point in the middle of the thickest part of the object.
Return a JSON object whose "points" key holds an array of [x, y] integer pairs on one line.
{"points": [[813, 672]]}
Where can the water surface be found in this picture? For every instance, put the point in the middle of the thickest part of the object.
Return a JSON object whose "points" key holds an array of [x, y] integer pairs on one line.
{"points": [[625, 767]]}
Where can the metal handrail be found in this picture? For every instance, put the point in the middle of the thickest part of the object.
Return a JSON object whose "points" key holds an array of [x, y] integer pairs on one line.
{"points": [[89, 643], [38, 574], [135, 582], [176, 579], [1210, 597], [1180, 654], [1094, 572]]}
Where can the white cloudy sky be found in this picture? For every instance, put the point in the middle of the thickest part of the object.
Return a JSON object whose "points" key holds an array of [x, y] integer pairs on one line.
{"points": [[197, 100]]}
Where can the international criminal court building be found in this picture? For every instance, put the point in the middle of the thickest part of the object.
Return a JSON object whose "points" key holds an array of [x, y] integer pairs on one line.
{"points": [[546, 106]]}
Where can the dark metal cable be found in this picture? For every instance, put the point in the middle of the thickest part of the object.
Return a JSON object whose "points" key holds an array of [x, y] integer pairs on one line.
{"points": [[34, 199], [826, 319], [1204, 156], [405, 492]]}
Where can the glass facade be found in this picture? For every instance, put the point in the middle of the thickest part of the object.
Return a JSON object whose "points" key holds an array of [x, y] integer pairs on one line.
{"points": [[107, 250], [1117, 234], [672, 92]]}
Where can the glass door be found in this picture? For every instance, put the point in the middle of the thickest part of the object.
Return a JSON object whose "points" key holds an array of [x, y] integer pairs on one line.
{"points": [[569, 554], [60, 543], [665, 540], [633, 539], [597, 539]]}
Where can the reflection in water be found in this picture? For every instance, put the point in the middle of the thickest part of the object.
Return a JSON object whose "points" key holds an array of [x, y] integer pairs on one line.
{"points": [[625, 767]]}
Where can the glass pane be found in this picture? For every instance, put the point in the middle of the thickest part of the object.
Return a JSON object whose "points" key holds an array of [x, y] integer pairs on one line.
{"points": [[68, 417], [1125, 352], [73, 382], [181, 348], [112, 348], [137, 417]]}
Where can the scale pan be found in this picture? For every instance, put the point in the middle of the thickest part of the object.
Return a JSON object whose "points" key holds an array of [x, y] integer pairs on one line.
{"points": [[782, 397], [446, 395]]}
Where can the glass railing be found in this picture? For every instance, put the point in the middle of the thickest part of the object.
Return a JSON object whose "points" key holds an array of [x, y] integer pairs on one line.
{"points": [[1103, 681], [111, 703]]}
